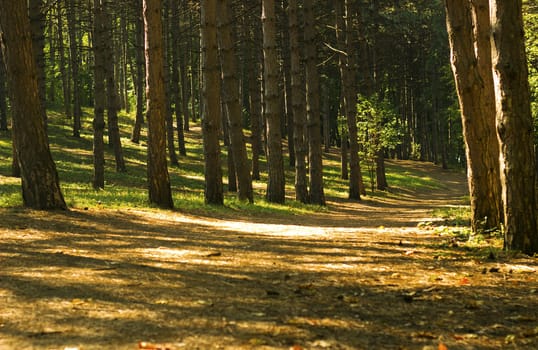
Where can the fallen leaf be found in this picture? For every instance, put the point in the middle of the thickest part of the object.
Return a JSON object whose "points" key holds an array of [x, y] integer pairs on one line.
{"points": [[464, 281], [296, 347], [151, 346], [442, 347]]}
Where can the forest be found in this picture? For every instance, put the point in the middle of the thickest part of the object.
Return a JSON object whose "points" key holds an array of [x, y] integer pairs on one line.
{"points": [[268, 174]]}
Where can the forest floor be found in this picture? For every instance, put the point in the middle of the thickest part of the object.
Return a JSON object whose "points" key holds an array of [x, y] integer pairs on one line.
{"points": [[383, 273]]}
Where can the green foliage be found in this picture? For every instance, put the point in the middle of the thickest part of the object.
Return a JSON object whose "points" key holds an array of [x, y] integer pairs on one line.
{"points": [[378, 130], [530, 9]]}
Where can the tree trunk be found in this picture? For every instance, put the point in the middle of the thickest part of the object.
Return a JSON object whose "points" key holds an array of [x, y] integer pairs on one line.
{"points": [[3, 92], [66, 87], [99, 48], [211, 103], [75, 67], [349, 93], [297, 105], [315, 154], [232, 101], [514, 126], [113, 102], [177, 92], [474, 85], [37, 25], [158, 177], [140, 68], [40, 183], [275, 161]]}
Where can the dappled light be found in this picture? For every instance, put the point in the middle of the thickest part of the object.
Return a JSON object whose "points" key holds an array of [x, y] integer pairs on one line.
{"points": [[349, 278]]}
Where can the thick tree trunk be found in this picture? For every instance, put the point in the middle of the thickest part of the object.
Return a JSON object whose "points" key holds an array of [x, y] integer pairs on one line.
{"points": [[469, 51], [315, 154], [275, 162], [40, 183], [158, 177], [211, 116], [298, 105], [37, 25], [514, 126], [99, 48]]}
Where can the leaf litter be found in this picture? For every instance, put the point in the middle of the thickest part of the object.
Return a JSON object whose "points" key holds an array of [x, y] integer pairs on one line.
{"points": [[357, 276]]}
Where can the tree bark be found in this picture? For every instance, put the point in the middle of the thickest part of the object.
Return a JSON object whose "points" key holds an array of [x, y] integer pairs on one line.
{"points": [[37, 25], [99, 48], [3, 92], [140, 73], [211, 103], [75, 67], [315, 154], [469, 51], [275, 161], [158, 177], [232, 101], [514, 126], [40, 183], [349, 94], [66, 86], [298, 105]]}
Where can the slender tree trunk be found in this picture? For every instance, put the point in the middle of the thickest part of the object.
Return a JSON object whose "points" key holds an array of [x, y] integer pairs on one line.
{"points": [[470, 50], [177, 92], [349, 93], [66, 87], [232, 101], [99, 47], [211, 103], [275, 161], [113, 102], [298, 105], [514, 126], [140, 74], [75, 67], [40, 183], [315, 154], [3, 92], [158, 178]]}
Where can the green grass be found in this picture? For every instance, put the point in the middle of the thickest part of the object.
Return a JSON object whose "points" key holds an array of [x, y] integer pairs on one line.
{"points": [[73, 158]]}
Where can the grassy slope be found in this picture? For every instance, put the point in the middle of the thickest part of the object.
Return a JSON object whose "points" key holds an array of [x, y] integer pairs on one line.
{"points": [[73, 158]]}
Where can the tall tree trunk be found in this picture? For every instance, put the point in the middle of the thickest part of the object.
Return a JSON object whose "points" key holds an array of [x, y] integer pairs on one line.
{"points": [[113, 102], [349, 94], [37, 25], [40, 183], [514, 126], [66, 86], [158, 177], [140, 69], [232, 100], [211, 103], [3, 92], [75, 66], [315, 154], [298, 105], [178, 94], [99, 47], [275, 162], [470, 50]]}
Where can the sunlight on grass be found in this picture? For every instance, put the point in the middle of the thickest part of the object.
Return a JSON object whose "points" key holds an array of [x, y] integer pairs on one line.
{"points": [[74, 161]]}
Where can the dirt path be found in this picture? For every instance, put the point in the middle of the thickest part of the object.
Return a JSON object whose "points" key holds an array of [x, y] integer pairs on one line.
{"points": [[362, 275]]}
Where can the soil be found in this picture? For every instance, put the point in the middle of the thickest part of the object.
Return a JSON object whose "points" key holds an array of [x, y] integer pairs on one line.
{"points": [[381, 273]]}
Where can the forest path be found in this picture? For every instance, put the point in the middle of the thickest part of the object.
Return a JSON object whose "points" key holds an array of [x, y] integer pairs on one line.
{"points": [[377, 274]]}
